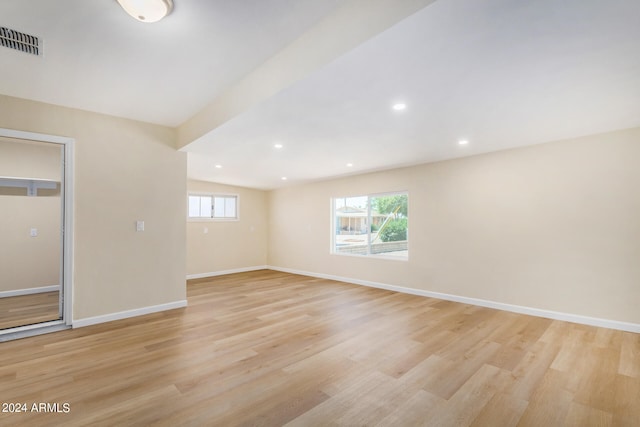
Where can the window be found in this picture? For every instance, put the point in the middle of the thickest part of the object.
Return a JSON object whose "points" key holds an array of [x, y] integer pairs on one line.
{"points": [[213, 206], [371, 225]]}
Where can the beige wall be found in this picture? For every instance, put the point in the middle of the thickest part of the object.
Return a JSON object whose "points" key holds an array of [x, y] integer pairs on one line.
{"points": [[124, 171], [228, 245], [25, 261], [553, 226], [30, 159]]}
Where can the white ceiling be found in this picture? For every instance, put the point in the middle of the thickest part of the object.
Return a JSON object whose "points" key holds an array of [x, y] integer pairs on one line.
{"points": [[98, 58], [500, 73]]}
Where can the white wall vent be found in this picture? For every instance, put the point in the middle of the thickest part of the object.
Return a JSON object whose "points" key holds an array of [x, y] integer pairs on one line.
{"points": [[20, 41]]}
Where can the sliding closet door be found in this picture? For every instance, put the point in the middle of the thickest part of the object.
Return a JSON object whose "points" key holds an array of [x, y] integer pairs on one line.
{"points": [[31, 232]]}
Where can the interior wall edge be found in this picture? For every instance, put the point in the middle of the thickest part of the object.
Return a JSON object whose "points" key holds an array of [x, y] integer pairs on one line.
{"points": [[531, 311]]}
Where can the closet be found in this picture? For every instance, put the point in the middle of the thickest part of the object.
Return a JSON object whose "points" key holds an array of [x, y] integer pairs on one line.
{"points": [[33, 227]]}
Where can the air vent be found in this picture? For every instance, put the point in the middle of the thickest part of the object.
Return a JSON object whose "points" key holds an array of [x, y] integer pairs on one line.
{"points": [[19, 41]]}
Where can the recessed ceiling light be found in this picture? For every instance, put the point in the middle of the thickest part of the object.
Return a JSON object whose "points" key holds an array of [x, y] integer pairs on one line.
{"points": [[284, 178], [399, 106], [463, 142], [218, 166], [278, 146], [349, 165]]}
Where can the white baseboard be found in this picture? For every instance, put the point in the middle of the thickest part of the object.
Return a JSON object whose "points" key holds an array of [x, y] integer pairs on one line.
{"points": [[223, 272], [555, 315], [29, 291], [79, 323]]}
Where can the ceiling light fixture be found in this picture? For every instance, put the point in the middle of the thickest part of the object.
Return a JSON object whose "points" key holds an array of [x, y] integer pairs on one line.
{"points": [[147, 10], [463, 142], [399, 106], [278, 146], [349, 165], [284, 178], [218, 166]]}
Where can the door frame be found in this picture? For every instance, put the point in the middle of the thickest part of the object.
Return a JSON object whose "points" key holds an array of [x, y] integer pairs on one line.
{"points": [[67, 224]]}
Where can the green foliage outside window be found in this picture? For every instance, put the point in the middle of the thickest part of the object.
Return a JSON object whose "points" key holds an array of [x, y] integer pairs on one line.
{"points": [[394, 230], [396, 204]]}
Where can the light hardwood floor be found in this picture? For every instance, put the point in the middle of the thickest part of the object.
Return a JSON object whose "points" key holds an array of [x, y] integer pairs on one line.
{"points": [[269, 348], [28, 309]]}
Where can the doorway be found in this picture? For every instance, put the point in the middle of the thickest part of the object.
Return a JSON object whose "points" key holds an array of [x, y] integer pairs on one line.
{"points": [[35, 233]]}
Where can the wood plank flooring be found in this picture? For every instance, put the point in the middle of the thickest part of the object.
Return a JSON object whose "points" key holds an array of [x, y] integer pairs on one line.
{"points": [[269, 349], [28, 309]]}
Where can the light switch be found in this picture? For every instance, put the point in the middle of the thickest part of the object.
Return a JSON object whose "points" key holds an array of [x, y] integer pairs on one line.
{"points": [[34, 232], [206, 230], [139, 225]]}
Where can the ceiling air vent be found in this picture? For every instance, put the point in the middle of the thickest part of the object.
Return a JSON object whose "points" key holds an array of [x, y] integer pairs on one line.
{"points": [[19, 41]]}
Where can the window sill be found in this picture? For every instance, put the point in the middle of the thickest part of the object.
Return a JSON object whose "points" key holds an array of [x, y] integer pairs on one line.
{"points": [[212, 219], [374, 256]]}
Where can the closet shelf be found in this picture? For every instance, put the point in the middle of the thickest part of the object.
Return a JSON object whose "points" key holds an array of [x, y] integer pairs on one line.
{"points": [[31, 184]]}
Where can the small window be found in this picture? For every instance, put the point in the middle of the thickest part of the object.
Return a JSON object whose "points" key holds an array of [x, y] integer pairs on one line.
{"points": [[213, 206], [371, 225]]}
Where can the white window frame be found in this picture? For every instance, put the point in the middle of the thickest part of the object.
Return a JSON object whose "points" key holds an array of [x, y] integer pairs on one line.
{"points": [[213, 196], [333, 228]]}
